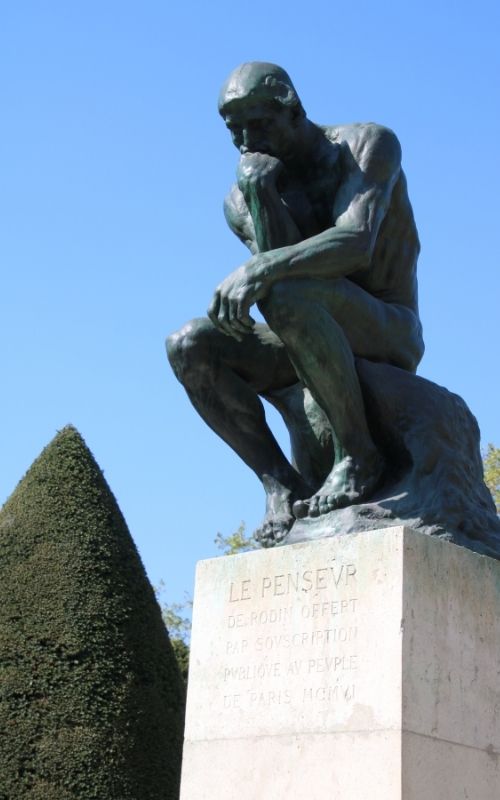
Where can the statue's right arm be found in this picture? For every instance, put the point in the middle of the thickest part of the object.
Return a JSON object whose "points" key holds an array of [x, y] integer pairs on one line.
{"points": [[257, 215], [239, 220], [272, 223]]}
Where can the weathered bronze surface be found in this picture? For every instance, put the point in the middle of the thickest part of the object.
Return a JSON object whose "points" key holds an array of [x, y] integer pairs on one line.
{"points": [[325, 212]]}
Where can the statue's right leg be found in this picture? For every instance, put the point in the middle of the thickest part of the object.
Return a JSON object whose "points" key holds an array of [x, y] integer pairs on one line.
{"points": [[223, 379]]}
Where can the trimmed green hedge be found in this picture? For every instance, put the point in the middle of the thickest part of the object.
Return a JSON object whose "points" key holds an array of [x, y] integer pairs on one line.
{"points": [[91, 700]]}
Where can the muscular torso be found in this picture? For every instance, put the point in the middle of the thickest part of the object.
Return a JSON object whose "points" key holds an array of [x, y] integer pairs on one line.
{"points": [[320, 194]]}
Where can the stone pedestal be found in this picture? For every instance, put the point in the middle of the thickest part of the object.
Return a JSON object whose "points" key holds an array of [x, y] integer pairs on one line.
{"points": [[363, 667]]}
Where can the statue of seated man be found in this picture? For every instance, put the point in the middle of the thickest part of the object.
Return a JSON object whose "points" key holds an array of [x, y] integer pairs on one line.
{"points": [[326, 215]]}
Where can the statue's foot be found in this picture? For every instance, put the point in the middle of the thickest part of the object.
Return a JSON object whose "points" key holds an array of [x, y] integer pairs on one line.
{"points": [[348, 483], [279, 516]]}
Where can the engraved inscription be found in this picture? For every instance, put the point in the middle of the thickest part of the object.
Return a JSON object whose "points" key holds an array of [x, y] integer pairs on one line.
{"points": [[309, 580], [327, 694], [302, 651], [241, 592]]}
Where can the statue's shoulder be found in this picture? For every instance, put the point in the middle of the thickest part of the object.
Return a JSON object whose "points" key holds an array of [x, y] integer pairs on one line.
{"points": [[367, 144], [360, 134]]}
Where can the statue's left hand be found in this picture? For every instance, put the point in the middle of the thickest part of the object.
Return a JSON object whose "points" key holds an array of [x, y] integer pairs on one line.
{"points": [[229, 309]]}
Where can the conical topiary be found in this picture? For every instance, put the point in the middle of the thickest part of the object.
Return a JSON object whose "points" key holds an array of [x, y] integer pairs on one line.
{"points": [[91, 700]]}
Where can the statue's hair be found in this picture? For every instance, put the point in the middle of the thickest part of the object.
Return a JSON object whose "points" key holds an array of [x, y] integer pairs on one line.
{"points": [[261, 80]]}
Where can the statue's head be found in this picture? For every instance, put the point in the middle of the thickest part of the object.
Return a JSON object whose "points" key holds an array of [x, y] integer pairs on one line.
{"points": [[261, 108], [258, 80]]}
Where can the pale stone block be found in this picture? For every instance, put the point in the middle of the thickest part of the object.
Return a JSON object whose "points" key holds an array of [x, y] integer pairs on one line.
{"points": [[362, 666], [357, 766], [434, 769]]}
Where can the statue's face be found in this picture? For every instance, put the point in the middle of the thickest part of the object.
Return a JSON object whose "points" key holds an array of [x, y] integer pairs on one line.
{"points": [[262, 127]]}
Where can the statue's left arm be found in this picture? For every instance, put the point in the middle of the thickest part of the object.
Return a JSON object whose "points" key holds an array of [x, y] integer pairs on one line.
{"points": [[361, 203]]}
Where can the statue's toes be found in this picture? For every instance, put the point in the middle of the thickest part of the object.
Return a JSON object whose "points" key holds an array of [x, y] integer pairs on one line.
{"points": [[343, 500], [279, 533], [325, 504], [261, 535], [272, 531], [300, 509], [330, 503], [314, 506]]}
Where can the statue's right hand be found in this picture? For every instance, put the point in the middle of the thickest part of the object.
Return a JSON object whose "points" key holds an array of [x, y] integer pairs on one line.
{"points": [[229, 310], [257, 170]]}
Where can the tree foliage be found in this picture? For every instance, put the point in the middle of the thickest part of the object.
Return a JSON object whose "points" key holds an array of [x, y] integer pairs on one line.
{"points": [[181, 653], [176, 616], [491, 463], [177, 619], [91, 700], [237, 542]]}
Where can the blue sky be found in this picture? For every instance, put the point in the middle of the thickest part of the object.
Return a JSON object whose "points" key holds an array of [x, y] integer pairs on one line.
{"points": [[114, 165]]}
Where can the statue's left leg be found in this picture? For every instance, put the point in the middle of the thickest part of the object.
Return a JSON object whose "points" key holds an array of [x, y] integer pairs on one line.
{"points": [[311, 435], [323, 325]]}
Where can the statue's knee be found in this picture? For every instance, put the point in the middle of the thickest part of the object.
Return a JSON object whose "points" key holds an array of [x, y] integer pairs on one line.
{"points": [[414, 354], [187, 349], [281, 306], [173, 345]]}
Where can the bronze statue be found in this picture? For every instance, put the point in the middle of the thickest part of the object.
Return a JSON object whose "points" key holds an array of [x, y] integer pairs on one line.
{"points": [[325, 212]]}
